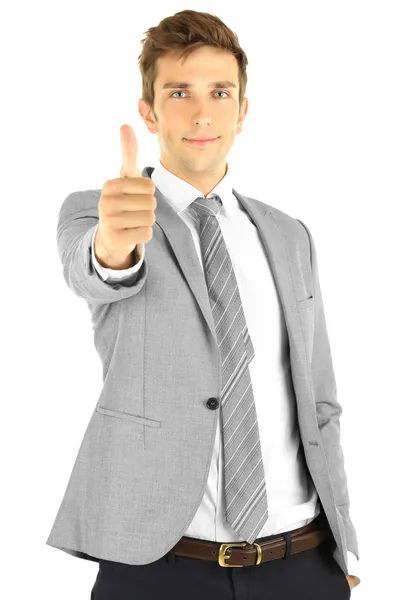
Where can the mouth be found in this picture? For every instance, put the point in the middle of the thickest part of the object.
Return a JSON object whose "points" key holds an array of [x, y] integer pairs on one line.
{"points": [[201, 142]]}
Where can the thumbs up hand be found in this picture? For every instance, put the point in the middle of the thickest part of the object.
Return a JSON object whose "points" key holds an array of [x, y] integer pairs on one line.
{"points": [[126, 209]]}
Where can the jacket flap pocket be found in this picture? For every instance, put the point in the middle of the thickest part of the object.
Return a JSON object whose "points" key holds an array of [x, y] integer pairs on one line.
{"points": [[127, 416]]}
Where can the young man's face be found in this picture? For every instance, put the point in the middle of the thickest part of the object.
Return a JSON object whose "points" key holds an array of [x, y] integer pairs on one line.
{"points": [[198, 111]]}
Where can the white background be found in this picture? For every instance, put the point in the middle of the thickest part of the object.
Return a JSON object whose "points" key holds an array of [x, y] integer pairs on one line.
{"points": [[320, 142]]}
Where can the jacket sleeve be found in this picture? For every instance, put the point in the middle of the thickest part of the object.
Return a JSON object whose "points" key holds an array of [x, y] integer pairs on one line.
{"points": [[77, 221], [328, 408]]}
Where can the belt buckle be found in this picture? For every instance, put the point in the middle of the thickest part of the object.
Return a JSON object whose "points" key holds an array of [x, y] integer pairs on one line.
{"points": [[224, 547]]}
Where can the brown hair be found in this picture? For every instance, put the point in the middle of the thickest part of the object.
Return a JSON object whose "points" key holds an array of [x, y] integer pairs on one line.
{"points": [[183, 33]]}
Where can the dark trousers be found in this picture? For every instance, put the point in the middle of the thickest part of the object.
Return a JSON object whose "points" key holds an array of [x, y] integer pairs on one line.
{"points": [[309, 575]]}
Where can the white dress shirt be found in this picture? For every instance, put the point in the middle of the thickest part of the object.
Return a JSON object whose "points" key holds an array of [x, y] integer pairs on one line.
{"points": [[292, 499]]}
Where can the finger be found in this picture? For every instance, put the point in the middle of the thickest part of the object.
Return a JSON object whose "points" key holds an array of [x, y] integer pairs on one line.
{"points": [[129, 150]]}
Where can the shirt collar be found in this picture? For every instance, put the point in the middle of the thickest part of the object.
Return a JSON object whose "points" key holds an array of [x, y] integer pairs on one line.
{"points": [[180, 194]]}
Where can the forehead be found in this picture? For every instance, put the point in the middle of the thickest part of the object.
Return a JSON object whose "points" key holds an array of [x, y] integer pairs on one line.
{"points": [[210, 65]]}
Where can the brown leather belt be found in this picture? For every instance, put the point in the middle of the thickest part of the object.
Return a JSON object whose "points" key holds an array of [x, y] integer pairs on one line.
{"points": [[242, 554]]}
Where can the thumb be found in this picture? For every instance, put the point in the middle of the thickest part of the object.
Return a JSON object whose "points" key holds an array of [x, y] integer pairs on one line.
{"points": [[129, 149]]}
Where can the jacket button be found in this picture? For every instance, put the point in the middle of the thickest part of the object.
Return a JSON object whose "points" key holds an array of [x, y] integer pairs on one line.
{"points": [[212, 403]]}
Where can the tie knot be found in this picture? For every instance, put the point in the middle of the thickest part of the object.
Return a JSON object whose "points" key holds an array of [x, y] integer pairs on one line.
{"points": [[204, 207]]}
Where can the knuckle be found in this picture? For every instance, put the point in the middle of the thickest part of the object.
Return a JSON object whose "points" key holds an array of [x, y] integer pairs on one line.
{"points": [[107, 185], [150, 183]]}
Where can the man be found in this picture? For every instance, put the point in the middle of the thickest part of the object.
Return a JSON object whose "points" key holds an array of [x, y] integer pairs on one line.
{"points": [[215, 443]]}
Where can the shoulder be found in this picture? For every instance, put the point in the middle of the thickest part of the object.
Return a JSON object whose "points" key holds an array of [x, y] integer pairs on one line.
{"points": [[291, 227], [85, 202]]}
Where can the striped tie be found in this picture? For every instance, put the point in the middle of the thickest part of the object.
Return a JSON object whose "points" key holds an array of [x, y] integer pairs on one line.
{"points": [[245, 490]]}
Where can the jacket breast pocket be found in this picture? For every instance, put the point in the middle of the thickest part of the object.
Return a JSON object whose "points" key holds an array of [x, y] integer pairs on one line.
{"points": [[125, 416], [306, 302]]}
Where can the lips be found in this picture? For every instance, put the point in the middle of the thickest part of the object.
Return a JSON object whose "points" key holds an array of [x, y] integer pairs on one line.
{"points": [[201, 142]]}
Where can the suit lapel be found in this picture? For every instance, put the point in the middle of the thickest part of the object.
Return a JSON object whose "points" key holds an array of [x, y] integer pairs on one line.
{"points": [[181, 242]]}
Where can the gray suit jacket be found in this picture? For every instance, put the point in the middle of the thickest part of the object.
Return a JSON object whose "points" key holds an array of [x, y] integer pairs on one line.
{"points": [[142, 466]]}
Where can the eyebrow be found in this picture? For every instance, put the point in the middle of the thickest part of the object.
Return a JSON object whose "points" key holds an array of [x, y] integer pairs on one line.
{"points": [[213, 84]]}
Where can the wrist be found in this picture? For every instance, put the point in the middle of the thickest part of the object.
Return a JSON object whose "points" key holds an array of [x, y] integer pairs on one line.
{"points": [[110, 261], [117, 263]]}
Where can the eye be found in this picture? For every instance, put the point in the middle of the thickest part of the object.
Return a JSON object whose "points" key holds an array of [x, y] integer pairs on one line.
{"points": [[181, 92]]}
